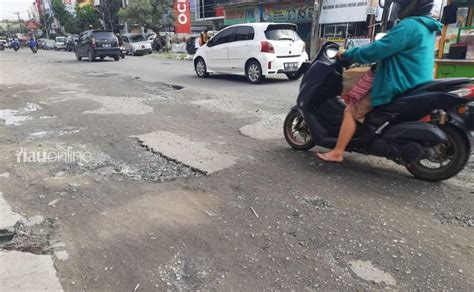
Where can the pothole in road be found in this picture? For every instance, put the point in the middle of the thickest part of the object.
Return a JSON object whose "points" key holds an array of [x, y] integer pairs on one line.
{"points": [[99, 74], [176, 87], [143, 165], [27, 237], [316, 202], [459, 219]]}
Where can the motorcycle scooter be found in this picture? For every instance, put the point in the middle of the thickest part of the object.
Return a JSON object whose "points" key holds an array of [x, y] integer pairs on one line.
{"points": [[16, 45], [429, 129]]}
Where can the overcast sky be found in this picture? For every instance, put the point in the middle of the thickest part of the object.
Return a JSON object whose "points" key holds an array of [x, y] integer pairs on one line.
{"points": [[8, 7]]}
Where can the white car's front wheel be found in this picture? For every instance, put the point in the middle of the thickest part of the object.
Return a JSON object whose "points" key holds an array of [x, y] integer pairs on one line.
{"points": [[254, 72], [201, 68]]}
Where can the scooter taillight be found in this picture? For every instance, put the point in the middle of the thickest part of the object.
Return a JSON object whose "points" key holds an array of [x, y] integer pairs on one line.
{"points": [[466, 92]]}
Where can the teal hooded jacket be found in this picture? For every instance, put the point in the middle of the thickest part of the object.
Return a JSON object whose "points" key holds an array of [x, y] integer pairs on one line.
{"points": [[405, 57]]}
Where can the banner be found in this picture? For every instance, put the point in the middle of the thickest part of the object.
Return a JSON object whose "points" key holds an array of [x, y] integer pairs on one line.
{"points": [[353, 43], [297, 12], [183, 16], [241, 15], [344, 11]]}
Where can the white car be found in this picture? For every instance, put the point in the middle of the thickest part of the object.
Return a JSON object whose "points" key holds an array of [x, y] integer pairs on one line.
{"points": [[136, 44], [255, 50]]}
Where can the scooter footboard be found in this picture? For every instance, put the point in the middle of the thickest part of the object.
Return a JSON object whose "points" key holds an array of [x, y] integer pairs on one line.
{"points": [[423, 133]]}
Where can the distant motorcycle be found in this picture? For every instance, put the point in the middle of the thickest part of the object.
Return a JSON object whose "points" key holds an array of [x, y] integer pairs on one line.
{"points": [[33, 46], [16, 45], [123, 52]]}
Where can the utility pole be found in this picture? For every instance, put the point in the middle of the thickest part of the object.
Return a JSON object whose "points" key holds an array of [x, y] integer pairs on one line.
{"points": [[315, 30], [45, 20], [19, 21]]}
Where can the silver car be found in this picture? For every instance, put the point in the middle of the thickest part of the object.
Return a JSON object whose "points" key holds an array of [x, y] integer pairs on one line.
{"points": [[136, 44]]}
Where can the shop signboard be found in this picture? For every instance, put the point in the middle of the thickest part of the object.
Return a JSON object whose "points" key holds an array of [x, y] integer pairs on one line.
{"points": [[340, 41], [295, 13], [241, 15], [344, 11], [353, 43]]}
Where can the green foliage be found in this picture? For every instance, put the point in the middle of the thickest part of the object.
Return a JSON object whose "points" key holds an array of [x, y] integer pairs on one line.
{"points": [[153, 14], [87, 18]]}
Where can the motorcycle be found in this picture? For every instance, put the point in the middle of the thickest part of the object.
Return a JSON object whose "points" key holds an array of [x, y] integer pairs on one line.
{"points": [[33, 46], [123, 52], [16, 45], [429, 129]]}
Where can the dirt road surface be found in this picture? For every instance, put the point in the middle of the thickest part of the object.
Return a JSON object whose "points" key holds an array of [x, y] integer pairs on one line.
{"points": [[136, 175]]}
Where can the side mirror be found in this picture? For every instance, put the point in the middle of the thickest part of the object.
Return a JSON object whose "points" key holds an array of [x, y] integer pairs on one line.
{"points": [[450, 14], [393, 12]]}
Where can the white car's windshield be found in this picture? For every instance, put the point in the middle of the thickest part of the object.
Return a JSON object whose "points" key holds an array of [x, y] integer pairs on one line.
{"points": [[136, 38]]}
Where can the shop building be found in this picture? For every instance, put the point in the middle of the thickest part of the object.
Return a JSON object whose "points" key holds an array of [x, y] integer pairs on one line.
{"points": [[348, 19]]}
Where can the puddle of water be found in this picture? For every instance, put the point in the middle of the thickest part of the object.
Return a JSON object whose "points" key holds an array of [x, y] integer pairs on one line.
{"points": [[12, 118], [59, 133]]}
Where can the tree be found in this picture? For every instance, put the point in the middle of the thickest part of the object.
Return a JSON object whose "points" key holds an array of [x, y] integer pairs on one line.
{"points": [[110, 9], [65, 18], [154, 14], [87, 18]]}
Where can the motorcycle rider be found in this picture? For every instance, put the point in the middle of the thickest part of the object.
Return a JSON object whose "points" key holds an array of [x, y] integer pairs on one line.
{"points": [[405, 59], [32, 43], [15, 43]]}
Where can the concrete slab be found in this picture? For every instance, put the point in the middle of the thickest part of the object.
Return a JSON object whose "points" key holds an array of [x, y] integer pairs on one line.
{"points": [[192, 153], [27, 272], [8, 218], [269, 128], [366, 271]]}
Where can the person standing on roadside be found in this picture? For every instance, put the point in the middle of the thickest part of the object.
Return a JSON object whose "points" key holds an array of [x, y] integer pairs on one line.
{"points": [[205, 37]]}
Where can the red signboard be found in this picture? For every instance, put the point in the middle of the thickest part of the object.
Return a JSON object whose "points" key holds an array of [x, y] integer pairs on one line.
{"points": [[183, 16], [219, 11], [32, 24]]}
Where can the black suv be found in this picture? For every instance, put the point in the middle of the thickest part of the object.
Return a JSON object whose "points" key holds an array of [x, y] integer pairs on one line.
{"points": [[97, 43]]}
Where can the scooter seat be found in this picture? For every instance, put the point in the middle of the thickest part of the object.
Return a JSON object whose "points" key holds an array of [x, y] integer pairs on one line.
{"points": [[435, 85]]}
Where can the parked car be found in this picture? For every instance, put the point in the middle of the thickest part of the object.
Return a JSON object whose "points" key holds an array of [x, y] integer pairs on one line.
{"points": [[136, 44], [255, 50], [60, 43], [49, 44], [97, 43], [71, 42], [150, 37]]}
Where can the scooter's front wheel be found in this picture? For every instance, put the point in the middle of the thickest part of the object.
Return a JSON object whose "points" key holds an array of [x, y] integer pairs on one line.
{"points": [[451, 159], [297, 132]]}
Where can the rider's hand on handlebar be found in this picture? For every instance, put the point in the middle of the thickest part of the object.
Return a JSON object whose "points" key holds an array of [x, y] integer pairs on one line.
{"points": [[339, 56]]}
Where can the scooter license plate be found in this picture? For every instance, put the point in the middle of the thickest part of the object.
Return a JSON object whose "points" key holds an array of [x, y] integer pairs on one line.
{"points": [[106, 45], [290, 66]]}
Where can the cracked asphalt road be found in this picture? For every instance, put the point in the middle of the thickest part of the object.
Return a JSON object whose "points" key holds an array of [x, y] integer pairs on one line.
{"points": [[142, 213]]}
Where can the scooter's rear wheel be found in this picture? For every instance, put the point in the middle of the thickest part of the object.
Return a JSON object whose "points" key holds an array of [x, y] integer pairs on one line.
{"points": [[452, 158], [297, 132]]}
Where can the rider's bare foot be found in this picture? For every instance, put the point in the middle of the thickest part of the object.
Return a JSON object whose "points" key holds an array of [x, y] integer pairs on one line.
{"points": [[331, 156]]}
